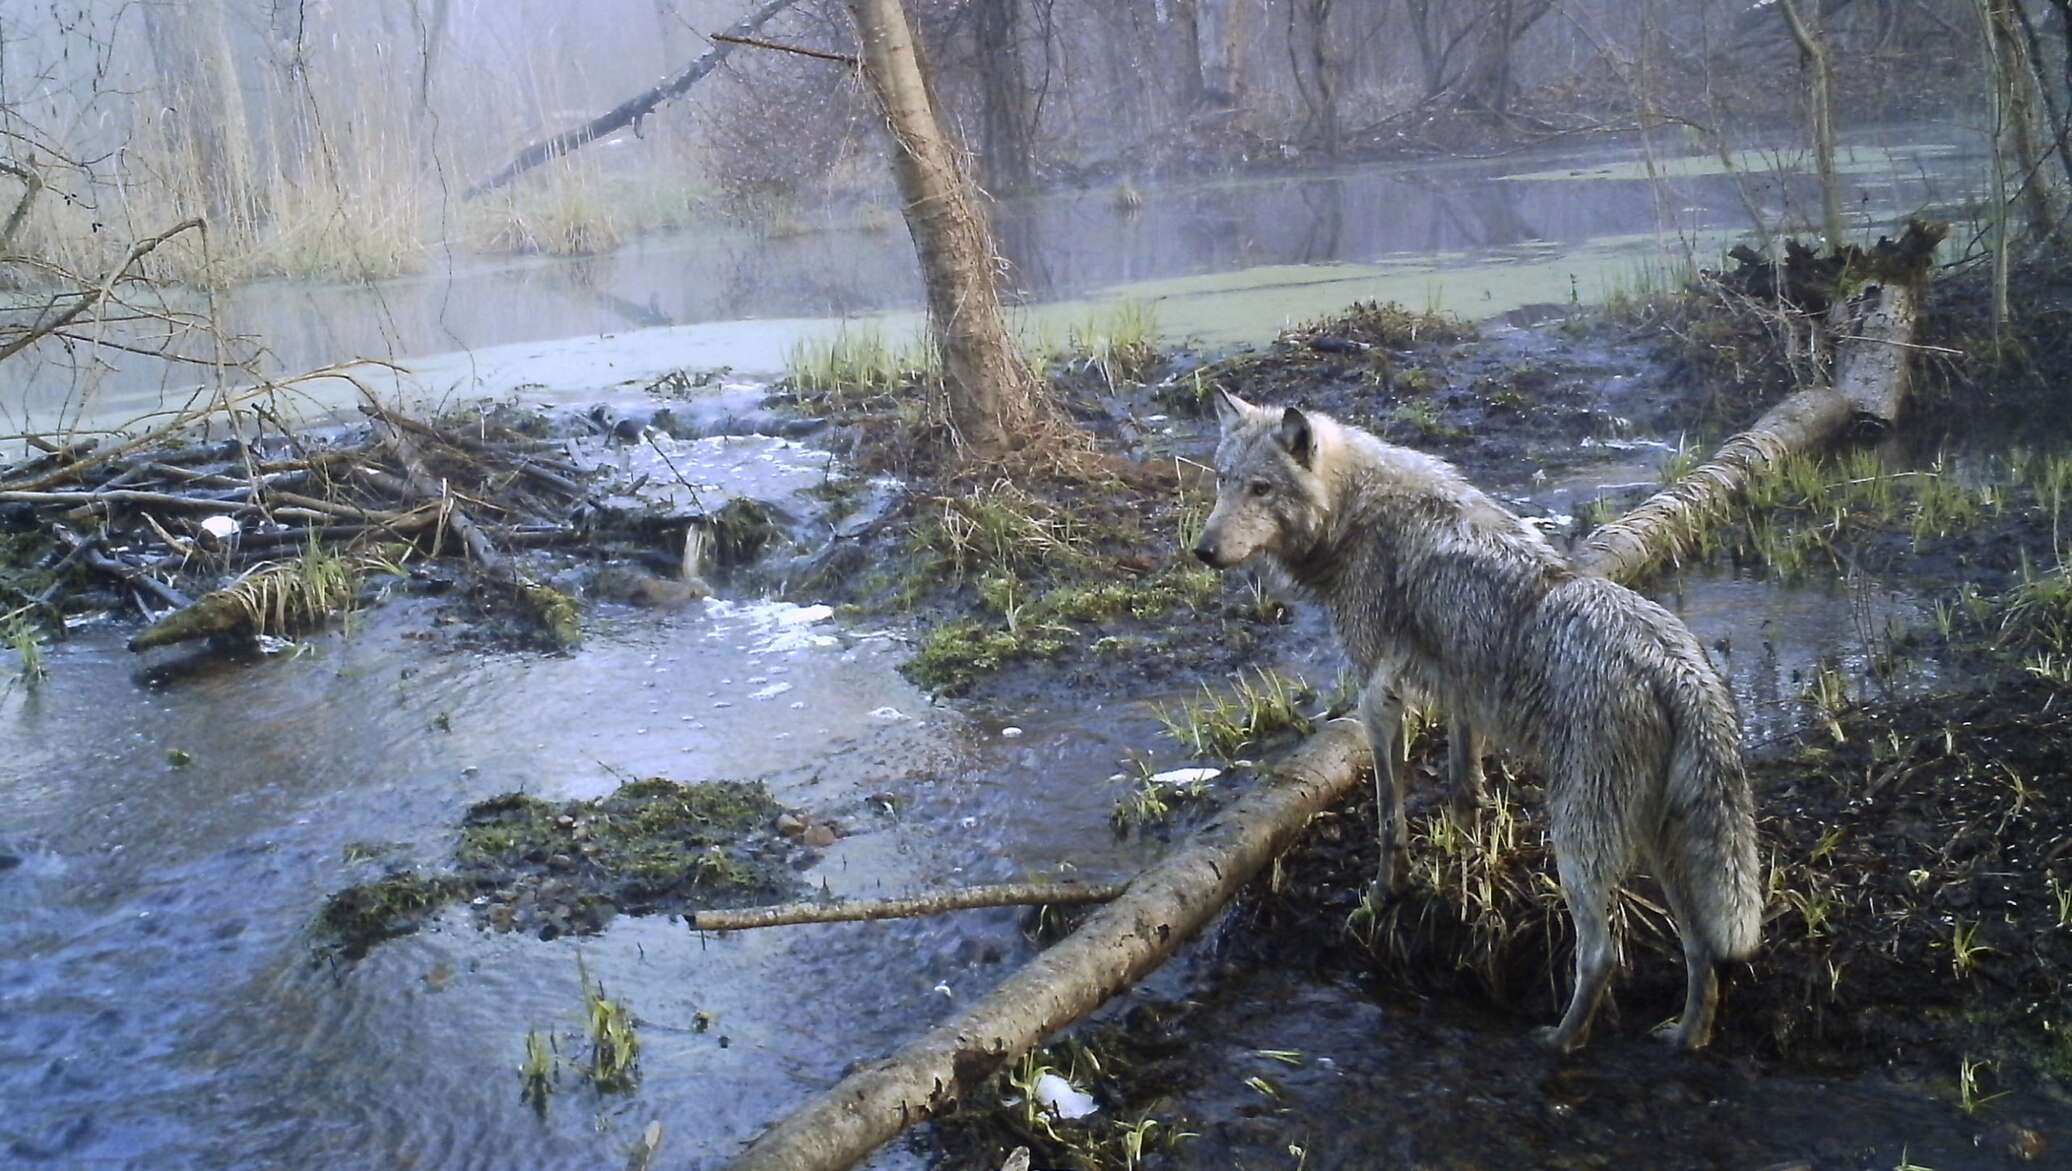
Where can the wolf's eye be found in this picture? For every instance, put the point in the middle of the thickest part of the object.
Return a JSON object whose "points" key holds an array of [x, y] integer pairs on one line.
{"points": [[1259, 487]]}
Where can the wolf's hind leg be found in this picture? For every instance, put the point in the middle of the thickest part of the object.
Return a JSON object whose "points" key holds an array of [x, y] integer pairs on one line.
{"points": [[1464, 765], [1701, 979], [1588, 889], [1381, 711]]}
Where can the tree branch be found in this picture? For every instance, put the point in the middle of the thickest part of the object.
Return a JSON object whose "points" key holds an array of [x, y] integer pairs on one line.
{"points": [[799, 50], [631, 110], [1007, 894], [34, 332]]}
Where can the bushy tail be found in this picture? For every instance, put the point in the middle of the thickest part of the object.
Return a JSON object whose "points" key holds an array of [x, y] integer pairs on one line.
{"points": [[1708, 833]]}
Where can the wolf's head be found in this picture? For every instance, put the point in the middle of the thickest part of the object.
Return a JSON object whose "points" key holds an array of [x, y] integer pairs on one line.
{"points": [[1270, 497]]}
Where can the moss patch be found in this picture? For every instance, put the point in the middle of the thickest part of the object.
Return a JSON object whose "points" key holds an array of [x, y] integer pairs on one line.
{"points": [[530, 865]]}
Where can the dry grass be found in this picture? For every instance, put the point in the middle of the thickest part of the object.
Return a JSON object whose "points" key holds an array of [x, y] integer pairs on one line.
{"points": [[1483, 900]]}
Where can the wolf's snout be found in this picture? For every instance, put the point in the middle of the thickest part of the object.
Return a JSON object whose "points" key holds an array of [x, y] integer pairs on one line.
{"points": [[1207, 553]]}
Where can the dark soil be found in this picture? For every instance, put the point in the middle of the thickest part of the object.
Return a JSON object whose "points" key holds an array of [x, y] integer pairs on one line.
{"points": [[651, 847]]}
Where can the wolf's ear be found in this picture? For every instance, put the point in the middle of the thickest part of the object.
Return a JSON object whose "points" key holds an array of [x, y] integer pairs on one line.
{"points": [[1230, 409], [1295, 435]]}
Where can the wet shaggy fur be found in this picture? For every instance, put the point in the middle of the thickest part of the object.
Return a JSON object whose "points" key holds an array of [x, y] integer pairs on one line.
{"points": [[1439, 592]]}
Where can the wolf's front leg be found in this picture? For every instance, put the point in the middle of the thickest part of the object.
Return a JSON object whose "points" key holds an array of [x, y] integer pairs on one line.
{"points": [[1381, 711], [1464, 765]]}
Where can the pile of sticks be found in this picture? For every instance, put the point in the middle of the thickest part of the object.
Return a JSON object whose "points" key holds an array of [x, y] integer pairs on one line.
{"points": [[178, 527]]}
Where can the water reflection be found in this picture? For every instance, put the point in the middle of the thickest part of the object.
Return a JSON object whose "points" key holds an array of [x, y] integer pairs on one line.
{"points": [[1363, 224]]}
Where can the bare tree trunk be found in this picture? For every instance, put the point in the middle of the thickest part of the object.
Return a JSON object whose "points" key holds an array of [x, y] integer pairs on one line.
{"points": [[1492, 82], [1319, 73], [205, 123], [2054, 98], [1004, 130], [669, 30], [1430, 57], [1188, 31], [433, 32], [2014, 79], [1819, 91], [993, 395], [1219, 50]]}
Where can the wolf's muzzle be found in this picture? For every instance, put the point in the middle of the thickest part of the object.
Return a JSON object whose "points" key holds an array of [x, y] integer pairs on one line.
{"points": [[1208, 555]]}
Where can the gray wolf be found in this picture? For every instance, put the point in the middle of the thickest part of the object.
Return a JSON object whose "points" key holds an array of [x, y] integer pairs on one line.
{"points": [[1437, 591]]}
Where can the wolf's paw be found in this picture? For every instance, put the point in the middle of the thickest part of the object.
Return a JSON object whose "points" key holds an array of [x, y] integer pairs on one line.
{"points": [[1551, 1038], [1673, 1034]]}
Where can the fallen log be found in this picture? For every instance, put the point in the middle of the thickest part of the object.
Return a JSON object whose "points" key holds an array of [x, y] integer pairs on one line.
{"points": [[1006, 894], [1173, 899], [1116, 946], [1870, 381], [630, 111]]}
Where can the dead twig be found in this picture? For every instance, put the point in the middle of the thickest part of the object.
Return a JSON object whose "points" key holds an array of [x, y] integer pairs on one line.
{"points": [[88, 298], [759, 43]]}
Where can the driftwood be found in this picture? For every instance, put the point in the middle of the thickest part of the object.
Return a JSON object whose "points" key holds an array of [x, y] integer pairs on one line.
{"points": [[1129, 937], [633, 109], [1007, 894]]}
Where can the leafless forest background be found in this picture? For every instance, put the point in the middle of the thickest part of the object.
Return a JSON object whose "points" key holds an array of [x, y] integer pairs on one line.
{"points": [[325, 139]]}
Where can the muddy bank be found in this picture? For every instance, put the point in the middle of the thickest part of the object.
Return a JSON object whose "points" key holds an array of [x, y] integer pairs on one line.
{"points": [[1080, 577]]}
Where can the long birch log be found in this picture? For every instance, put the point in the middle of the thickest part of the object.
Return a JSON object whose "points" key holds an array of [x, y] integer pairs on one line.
{"points": [[1871, 377]]}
